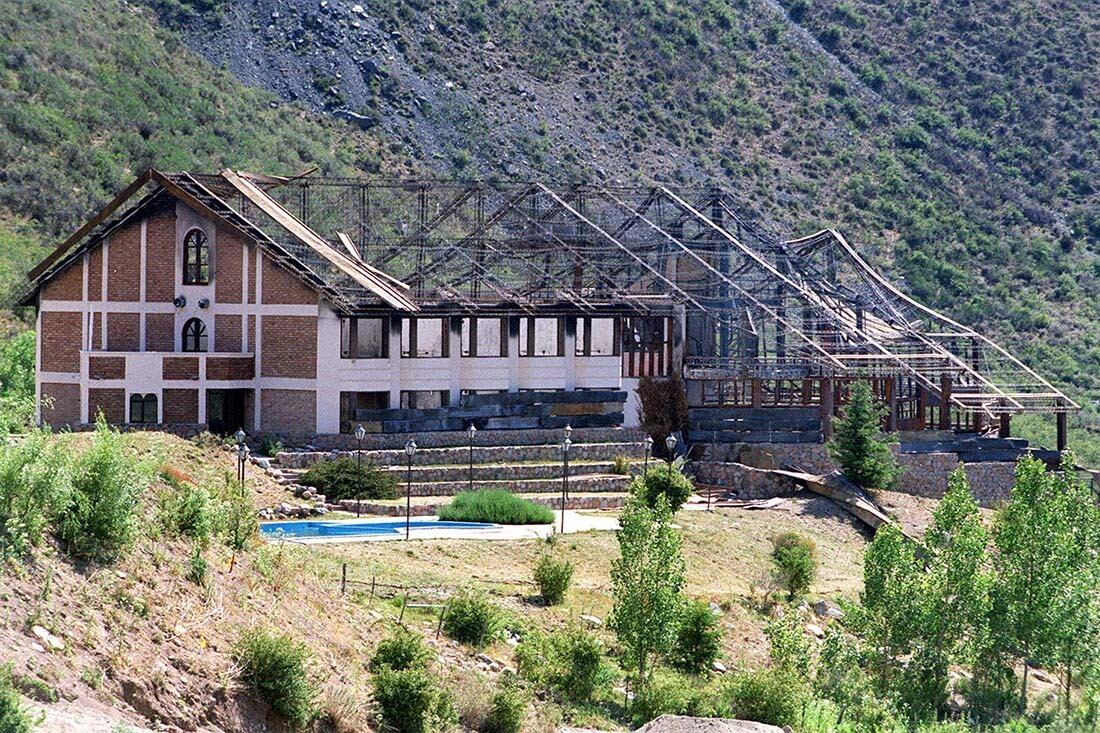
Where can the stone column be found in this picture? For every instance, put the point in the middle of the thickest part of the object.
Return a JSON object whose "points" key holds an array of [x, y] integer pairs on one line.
{"points": [[827, 409]]}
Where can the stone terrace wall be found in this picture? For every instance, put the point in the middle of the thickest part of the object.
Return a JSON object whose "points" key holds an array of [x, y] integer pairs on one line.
{"points": [[736, 467]]}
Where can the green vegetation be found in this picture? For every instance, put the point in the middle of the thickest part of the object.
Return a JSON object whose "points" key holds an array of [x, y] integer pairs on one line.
{"points": [[413, 701], [507, 709], [13, 717], [794, 563], [552, 577], [344, 478], [274, 667], [17, 382], [568, 664], [698, 639], [34, 484], [859, 446], [496, 506], [187, 510], [98, 520], [667, 482], [402, 649], [471, 618]]}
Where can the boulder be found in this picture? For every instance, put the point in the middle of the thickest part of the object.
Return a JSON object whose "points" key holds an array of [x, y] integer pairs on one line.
{"points": [[828, 609]]}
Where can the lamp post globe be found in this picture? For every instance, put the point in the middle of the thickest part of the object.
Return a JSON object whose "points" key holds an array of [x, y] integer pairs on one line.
{"points": [[670, 443], [470, 433], [240, 435], [648, 442]]}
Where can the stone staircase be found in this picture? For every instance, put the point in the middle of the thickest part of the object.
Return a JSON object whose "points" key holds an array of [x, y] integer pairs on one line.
{"points": [[527, 462]]}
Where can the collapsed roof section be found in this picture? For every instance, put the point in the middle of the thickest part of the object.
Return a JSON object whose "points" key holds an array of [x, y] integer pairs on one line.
{"points": [[756, 305]]}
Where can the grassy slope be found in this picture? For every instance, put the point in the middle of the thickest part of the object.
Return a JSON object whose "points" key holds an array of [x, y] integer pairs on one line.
{"points": [[141, 637], [82, 111]]}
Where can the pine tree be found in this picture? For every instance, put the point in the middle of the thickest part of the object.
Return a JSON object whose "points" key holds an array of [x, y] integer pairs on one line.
{"points": [[858, 444]]}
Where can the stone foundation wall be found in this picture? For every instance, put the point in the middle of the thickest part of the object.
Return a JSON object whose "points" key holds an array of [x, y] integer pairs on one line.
{"points": [[736, 467], [586, 503]]}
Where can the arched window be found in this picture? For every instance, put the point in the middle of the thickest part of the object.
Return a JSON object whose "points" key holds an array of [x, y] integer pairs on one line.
{"points": [[194, 335], [196, 258], [143, 408]]}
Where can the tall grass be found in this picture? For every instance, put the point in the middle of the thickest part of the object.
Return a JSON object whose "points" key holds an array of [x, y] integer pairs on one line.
{"points": [[34, 483], [496, 506]]}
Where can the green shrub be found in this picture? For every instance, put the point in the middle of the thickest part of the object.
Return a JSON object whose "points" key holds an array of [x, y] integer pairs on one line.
{"points": [[13, 717], [496, 506], [620, 465], [34, 482], [344, 479], [568, 663], [665, 693], [271, 446], [239, 525], [552, 577], [400, 650], [98, 519], [507, 709], [766, 696], [196, 571], [274, 666], [471, 618], [661, 480], [186, 510], [413, 701], [698, 639], [794, 563]]}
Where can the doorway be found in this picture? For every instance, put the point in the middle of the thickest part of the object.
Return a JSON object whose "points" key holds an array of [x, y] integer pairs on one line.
{"points": [[226, 410]]}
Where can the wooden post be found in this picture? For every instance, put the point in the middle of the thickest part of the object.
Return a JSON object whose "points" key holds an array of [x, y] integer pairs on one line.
{"points": [[945, 402], [1005, 430], [343, 578], [1063, 431], [892, 402], [757, 393], [827, 409]]}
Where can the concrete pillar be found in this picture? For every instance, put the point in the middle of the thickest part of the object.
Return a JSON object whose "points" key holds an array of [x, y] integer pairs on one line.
{"points": [[1062, 431], [395, 361], [454, 356], [827, 409], [892, 404], [678, 324], [513, 353], [570, 352], [1005, 430], [945, 402]]}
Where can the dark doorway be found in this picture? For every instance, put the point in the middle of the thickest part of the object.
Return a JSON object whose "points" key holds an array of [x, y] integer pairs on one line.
{"points": [[225, 410]]}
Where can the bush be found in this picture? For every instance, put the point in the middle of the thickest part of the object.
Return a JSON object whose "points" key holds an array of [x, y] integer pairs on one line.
{"points": [[794, 563], [13, 718], [270, 447], [661, 480], [766, 696], [34, 482], [196, 571], [275, 668], [553, 577], [698, 639], [620, 465], [664, 407], [413, 701], [471, 618], [507, 709], [344, 479], [239, 522], [496, 506], [401, 650], [665, 693], [98, 520], [186, 510], [568, 663]]}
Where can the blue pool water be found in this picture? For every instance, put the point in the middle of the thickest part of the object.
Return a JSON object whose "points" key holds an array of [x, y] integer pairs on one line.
{"points": [[349, 528]]}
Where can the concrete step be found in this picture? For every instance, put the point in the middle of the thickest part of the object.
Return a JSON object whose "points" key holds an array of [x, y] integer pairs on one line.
{"points": [[482, 454], [587, 483], [459, 438], [487, 471]]}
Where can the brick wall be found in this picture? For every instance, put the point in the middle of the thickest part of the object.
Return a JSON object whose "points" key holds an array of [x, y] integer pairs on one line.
{"points": [[160, 332], [289, 345], [122, 332], [112, 402], [160, 256], [60, 404], [180, 406], [281, 287], [230, 368], [124, 264], [61, 341], [107, 367], [69, 285], [95, 273], [181, 367], [227, 280], [288, 410], [227, 332]]}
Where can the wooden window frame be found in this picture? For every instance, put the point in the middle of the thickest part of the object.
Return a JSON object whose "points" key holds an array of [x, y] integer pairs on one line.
{"points": [[196, 270]]}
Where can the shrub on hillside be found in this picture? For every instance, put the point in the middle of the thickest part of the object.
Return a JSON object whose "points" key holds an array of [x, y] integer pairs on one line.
{"points": [[187, 510], [665, 693], [34, 482], [402, 649], [13, 717], [552, 577], [413, 701], [507, 709], [663, 481], [98, 519], [471, 618], [567, 663], [794, 563], [345, 479], [698, 638], [496, 506], [767, 696], [274, 666], [238, 525]]}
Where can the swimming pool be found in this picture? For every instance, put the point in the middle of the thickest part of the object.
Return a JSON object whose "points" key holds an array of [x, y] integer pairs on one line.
{"points": [[301, 529]]}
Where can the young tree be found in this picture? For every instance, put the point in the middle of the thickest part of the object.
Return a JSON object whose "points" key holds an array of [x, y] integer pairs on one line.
{"points": [[646, 580], [858, 444]]}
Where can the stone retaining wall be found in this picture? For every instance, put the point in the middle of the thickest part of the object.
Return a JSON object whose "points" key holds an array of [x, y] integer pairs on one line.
{"points": [[731, 466], [424, 510]]}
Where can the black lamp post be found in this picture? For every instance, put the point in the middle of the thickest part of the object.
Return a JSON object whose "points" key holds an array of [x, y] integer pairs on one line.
{"points": [[471, 432], [360, 433], [670, 443], [648, 449], [242, 455], [565, 445], [410, 449]]}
